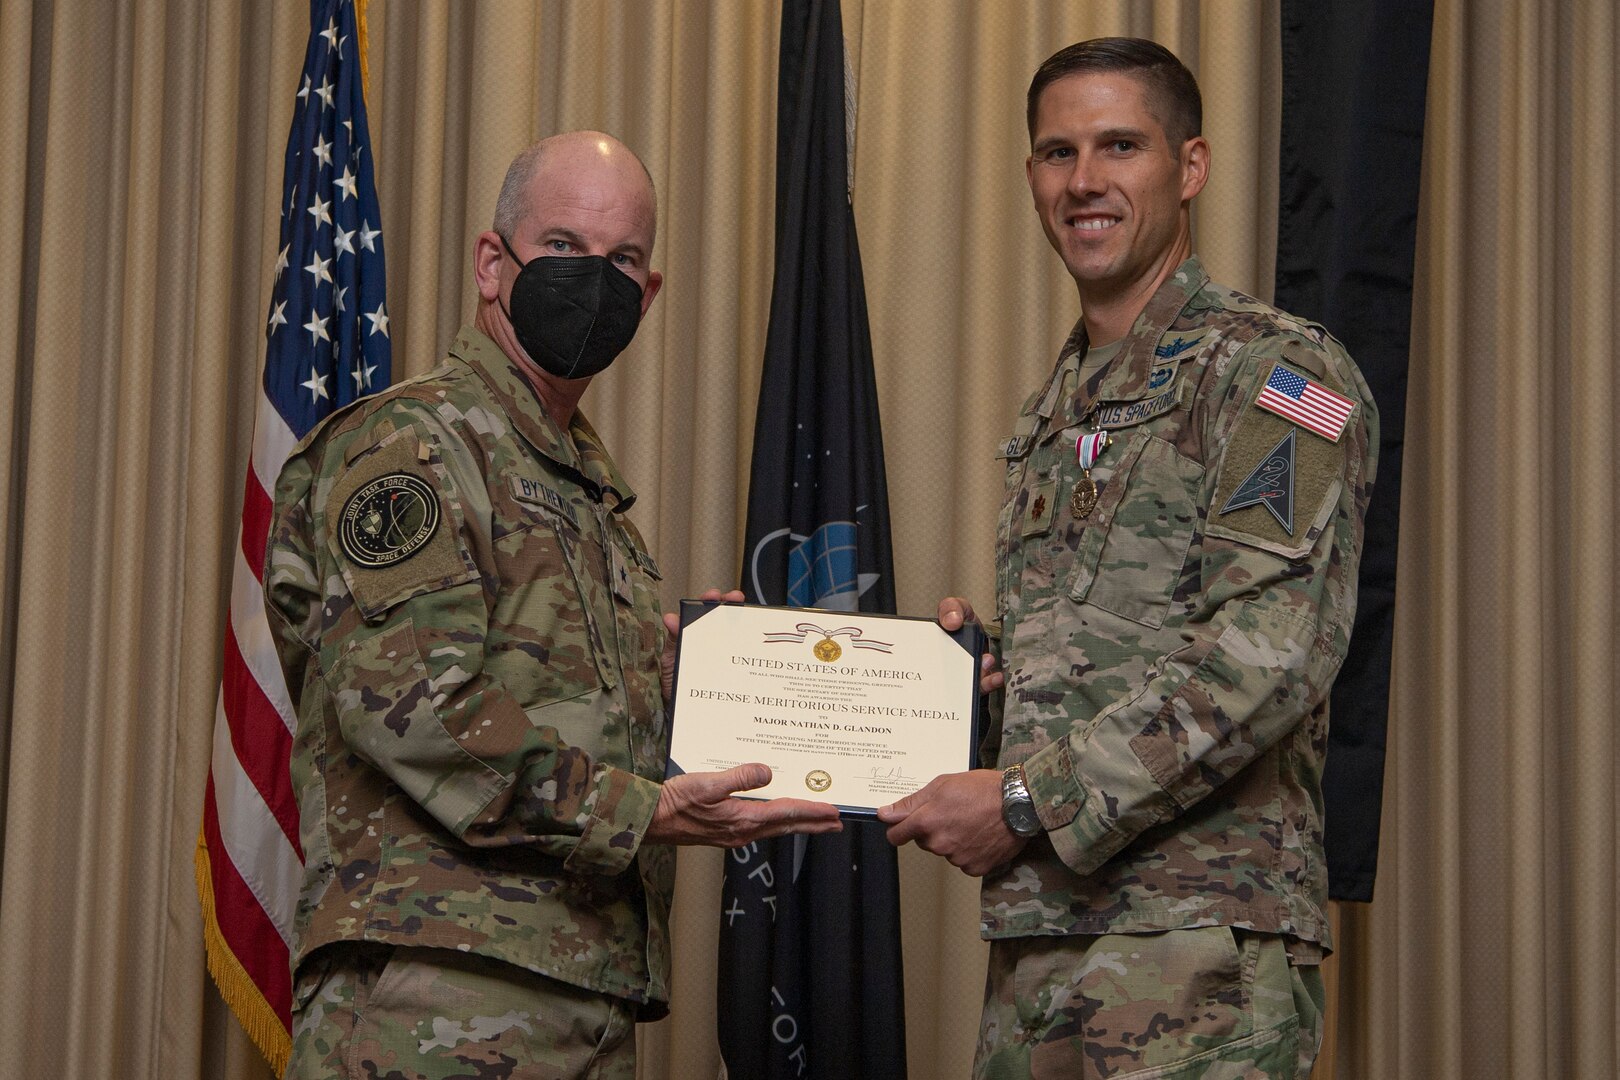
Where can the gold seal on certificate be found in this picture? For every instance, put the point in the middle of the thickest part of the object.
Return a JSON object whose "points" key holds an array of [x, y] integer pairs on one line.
{"points": [[858, 709]]}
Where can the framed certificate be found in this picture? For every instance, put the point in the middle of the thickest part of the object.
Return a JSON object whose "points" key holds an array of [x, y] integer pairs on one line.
{"points": [[850, 708]]}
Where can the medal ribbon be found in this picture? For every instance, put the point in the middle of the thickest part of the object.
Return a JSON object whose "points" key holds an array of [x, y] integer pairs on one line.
{"points": [[1088, 448], [854, 633]]}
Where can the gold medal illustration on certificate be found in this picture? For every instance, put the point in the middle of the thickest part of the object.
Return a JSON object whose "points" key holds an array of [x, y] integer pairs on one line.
{"points": [[1087, 449]]}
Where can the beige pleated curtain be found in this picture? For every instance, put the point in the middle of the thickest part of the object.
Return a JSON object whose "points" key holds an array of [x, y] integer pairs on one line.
{"points": [[140, 160]]}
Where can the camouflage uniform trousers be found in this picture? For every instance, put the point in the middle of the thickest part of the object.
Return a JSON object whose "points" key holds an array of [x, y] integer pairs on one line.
{"points": [[385, 1012], [1212, 1003]]}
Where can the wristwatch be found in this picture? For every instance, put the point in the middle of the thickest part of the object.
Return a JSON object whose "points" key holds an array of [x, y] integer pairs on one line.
{"points": [[1017, 808]]}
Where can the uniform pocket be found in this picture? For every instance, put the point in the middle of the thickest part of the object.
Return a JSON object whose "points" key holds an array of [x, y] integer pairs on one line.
{"points": [[541, 613], [1154, 1005], [1147, 533]]}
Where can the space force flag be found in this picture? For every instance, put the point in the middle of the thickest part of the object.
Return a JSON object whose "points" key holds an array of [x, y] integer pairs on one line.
{"points": [[810, 984]]}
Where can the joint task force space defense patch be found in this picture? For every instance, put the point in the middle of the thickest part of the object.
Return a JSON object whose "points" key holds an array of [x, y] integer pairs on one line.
{"points": [[393, 523], [388, 520]]}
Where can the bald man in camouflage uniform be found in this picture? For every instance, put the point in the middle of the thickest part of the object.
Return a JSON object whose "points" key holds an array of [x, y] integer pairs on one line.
{"points": [[1176, 583], [469, 624]]}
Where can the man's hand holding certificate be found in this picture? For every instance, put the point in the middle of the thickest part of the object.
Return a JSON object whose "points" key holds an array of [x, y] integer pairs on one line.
{"points": [[698, 807], [859, 710]]}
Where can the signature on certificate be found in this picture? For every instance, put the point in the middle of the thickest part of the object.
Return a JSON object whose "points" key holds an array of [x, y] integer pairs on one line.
{"points": [[893, 772]]}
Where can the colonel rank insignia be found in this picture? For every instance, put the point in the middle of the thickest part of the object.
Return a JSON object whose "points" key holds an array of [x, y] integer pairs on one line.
{"points": [[388, 520], [1270, 484]]}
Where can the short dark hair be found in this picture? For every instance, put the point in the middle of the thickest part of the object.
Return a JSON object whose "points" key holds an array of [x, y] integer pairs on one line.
{"points": [[1172, 91]]}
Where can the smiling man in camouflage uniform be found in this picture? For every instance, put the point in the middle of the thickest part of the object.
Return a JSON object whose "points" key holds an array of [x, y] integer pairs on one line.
{"points": [[470, 628], [1176, 582]]}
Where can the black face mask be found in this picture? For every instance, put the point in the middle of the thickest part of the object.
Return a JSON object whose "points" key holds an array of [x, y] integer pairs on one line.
{"points": [[573, 315]]}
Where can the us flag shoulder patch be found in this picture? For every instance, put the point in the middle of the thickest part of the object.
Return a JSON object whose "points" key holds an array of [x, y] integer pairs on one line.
{"points": [[1307, 403]]}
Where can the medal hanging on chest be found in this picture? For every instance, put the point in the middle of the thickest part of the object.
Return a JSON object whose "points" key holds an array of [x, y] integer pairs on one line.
{"points": [[1087, 449]]}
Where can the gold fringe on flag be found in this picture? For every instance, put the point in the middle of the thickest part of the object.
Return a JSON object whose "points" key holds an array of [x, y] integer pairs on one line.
{"points": [[240, 992]]}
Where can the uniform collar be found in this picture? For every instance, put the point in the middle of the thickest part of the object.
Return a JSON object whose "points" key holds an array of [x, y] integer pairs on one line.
{"points": [[577, 451], [1130, 375]]}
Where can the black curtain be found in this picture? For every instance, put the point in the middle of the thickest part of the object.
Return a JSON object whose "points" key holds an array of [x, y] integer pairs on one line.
{"points": [[1355, 76]]}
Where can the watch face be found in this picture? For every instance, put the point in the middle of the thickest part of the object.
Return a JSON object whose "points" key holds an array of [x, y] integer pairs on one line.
{"points": [[1017, 808], [1020, 817]]}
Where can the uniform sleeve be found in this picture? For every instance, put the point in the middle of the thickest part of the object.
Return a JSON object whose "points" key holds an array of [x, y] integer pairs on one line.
{"points": [[403, 636], [1269, 631]]}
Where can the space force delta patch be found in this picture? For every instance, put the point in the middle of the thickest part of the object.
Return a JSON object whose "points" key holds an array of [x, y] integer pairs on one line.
{"points": [[1270, 484], [1276, 486]]}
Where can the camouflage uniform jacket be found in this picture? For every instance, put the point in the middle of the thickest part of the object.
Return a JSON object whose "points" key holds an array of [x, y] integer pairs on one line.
{"points": [[470, 631], [1168, 650]]}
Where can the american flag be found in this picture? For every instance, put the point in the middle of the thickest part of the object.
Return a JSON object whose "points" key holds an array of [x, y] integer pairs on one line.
{"points": [[326, 344], [1308, 404]]}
